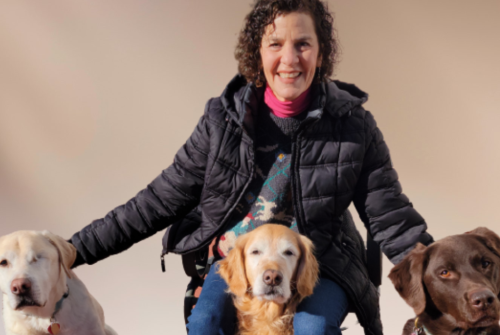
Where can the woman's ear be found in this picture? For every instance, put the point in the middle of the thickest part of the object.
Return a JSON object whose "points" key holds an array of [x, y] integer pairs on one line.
{"points": [[319, 61], [308, 268], [407, 278], [232, 268]]}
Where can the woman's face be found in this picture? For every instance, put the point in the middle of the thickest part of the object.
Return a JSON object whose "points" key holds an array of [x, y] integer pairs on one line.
{"points": [[289, 53]]}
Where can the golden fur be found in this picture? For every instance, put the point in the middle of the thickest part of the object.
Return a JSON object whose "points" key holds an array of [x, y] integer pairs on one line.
{"points": [[269, 247]]}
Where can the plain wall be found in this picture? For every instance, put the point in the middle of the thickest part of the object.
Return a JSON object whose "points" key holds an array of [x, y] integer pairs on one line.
{"points": [[97, 96]]}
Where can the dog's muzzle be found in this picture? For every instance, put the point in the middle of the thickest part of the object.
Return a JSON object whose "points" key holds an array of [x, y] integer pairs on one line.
{"points": [[484, 306], [21, 288]]}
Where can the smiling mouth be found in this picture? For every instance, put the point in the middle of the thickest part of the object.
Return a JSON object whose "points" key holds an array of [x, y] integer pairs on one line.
{"points": [[291, 75]]}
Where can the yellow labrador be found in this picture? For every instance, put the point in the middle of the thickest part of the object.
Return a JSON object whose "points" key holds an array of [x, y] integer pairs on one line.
{"points": [[269, 272], [41, 295]]}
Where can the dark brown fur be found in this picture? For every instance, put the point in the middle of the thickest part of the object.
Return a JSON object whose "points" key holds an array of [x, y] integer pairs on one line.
{"points": [[447, 304]]}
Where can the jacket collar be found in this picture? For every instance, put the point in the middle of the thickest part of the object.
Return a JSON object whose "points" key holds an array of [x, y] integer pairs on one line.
{"points": [[241, 100]]}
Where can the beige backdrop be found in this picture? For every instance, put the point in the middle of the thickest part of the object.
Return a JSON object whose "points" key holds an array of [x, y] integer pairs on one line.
{"points": [[97, 96]]}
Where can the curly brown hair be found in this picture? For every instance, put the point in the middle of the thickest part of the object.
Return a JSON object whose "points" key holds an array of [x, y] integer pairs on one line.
{"points": [[264, 13]]}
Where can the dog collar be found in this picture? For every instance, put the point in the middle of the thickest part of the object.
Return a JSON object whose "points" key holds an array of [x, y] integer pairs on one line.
{"points": [[418, 330], [427, 332], [55, 327]]}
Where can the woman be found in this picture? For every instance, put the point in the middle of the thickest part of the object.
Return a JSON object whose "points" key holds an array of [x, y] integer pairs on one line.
{"points": [[282, 144]]}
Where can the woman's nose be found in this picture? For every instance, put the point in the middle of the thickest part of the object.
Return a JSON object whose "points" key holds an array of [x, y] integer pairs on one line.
{"points": [[289, 55]]}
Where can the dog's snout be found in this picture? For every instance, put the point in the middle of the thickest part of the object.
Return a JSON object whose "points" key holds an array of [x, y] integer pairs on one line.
{"points": [[272, 277], [481, 299], [20, 286]]}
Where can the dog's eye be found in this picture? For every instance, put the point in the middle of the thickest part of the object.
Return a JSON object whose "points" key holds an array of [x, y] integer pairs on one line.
{"points": [[445, 273], [288, 253], [3, 262], [485, 264], [255, 252]]}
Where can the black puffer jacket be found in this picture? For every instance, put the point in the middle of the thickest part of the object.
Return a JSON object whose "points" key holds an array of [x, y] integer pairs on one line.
{"points": [[338, 156]]}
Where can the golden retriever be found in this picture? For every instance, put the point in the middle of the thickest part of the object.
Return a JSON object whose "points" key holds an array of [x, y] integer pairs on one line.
{"points": [[41, 295], [269, 271]]}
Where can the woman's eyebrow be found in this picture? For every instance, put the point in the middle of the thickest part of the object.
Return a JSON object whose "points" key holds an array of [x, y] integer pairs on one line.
{"points": [[274, 39], [304, 38]]}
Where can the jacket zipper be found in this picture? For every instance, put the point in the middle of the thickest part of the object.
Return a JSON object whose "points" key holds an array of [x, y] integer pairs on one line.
{"points": [[297, 209]]}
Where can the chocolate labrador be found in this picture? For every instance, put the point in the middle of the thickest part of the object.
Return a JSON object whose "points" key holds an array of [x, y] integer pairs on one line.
{"points": [[453, 285]]}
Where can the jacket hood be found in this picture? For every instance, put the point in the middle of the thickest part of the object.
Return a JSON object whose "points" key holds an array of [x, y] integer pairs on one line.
{"points": [[241, 99], [341, 97]]}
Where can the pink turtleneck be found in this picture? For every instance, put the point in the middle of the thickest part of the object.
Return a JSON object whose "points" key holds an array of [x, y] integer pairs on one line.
{"points": [[286, 108]]}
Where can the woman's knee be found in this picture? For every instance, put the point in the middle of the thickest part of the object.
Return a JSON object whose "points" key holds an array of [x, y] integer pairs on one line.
{"points": [[323, 312], [309, 324], [214, 312], [203, 322]]}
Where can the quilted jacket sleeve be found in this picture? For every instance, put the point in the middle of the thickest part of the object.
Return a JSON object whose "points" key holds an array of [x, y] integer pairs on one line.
{"points": [[386, 212], [171, 195]]}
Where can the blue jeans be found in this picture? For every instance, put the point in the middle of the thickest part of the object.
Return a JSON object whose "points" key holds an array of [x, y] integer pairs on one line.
{"points": [[319, 314]]}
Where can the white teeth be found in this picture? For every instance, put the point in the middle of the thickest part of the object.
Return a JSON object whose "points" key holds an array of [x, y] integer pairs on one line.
{"points": [[289, 75]]}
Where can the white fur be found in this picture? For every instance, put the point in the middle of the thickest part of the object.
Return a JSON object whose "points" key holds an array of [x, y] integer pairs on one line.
{"points": [[38, 257], [272, 251]]}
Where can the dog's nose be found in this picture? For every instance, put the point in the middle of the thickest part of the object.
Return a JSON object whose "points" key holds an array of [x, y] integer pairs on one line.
{"points": [[481, 299], [20, 286], [272, 277]]}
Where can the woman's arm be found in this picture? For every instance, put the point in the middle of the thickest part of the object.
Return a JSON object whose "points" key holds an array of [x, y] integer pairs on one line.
{"points": [[171, 195], [386, 212]]}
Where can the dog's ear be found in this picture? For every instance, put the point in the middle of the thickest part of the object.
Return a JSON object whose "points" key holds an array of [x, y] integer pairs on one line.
{"points": [[491, 241], [407, 278], [308, 269], [65, 250], [489, 238], [232, 268]]}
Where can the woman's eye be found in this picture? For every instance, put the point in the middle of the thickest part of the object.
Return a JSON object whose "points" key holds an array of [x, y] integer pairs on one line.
{"points": [[445, 273], [3, 262], [485, 264]]}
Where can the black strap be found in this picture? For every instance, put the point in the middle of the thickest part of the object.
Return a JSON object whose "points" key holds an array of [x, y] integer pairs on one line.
{"points": [[189, 264], [373, 260], [197, 263]]}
